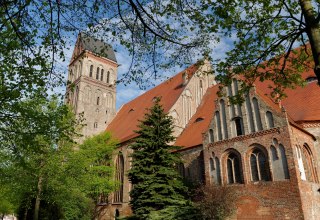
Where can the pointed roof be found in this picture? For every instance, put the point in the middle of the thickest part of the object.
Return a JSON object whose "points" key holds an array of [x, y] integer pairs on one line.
{"points": [[89, 43], [126, 120], [301, 103]]}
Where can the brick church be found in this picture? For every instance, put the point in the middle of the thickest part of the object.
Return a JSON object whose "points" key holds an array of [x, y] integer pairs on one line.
{"points": [[268, 152]]}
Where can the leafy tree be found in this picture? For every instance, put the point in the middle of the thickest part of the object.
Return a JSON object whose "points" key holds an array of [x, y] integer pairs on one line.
{"points": [[157, 184], [45, 174], [262, 34], [162, 34]]}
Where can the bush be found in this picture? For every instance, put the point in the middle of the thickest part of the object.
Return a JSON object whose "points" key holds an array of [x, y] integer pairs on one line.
{"points": [[214, 202]]}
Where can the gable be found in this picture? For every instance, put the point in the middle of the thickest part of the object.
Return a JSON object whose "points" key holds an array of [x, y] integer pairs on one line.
{"points": [[127, 119], [220, 120]]}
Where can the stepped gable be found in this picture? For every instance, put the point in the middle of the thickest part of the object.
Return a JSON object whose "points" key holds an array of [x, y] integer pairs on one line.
{"points": [[199, 123], [301, 103], [126, 120]]}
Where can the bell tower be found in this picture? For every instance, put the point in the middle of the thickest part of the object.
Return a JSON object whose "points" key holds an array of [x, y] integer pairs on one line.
{"points": [[91, 88]]}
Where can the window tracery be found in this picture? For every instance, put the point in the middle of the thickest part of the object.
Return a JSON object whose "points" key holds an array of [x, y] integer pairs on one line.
{"points": [[260, 170]]}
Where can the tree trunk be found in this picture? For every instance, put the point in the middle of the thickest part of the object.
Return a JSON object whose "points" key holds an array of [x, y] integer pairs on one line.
{"points": [[313, 32], [38, 199]]}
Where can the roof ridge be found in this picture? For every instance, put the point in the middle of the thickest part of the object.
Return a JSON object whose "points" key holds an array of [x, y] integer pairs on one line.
{"points": [[161, 84]]}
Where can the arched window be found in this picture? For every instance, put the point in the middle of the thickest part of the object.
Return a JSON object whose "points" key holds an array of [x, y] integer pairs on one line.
{"points": [[98, 100], [257, 114], [118, 195], [284, 162], [102, 72], [116, 214], [260, 170], [108, 77], [269, 118], [95, 125], [211, 136], [238, 126], [91, 71], [307, 159], [279, 162], [97, 74], [218, 126], [224, 119], [233, 169], [212, 169]]}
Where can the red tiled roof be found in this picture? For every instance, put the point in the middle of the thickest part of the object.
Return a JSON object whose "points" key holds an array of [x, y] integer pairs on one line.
{"points": [[126, 120], [192, 134], [301, 103]]}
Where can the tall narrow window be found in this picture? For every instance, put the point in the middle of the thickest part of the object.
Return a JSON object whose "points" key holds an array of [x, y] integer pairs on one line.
{"points": [[95, 125], [118, 195], [269, 118], [75, 72], [98, 100], [71, 76], [76, 95], [212, 169], [307, 160], [108, 77], [238, 126], [97, 74], [211, 136], [284, 162], [102, 72], [259, 166], [250, 115], [231, 107], [215, 171], [233, 169], [224, 119], [257, 114], [201, 88], [218, 125], [91, 71]]}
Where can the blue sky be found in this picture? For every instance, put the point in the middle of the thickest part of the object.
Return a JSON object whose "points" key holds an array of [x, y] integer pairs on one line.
{"points": [[125, 93]]}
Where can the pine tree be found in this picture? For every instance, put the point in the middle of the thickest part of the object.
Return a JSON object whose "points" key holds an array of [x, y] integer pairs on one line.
{"points": [[156, 182]]}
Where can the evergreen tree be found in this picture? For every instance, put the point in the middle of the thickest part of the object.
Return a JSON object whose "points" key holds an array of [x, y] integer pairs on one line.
{"points": [[156, 182]]}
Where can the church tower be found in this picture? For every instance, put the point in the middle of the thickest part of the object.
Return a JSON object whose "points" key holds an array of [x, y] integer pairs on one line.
{"points": [[91, 89]]}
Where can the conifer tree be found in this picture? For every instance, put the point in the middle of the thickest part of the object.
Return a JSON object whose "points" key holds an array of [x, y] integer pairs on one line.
{"points": [[156, 182]]}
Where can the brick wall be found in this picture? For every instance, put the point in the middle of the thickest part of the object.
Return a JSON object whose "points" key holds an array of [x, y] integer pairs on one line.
{"points": [[309, 191], [275, 199]]}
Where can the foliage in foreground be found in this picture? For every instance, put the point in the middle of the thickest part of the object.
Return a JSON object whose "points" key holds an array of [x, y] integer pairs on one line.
{"points": [[44, 175], [158, 188], [258, 37]]}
